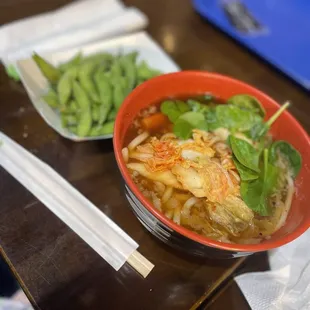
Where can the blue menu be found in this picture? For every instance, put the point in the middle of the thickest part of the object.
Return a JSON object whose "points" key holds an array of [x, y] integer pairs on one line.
{"points": [[277, 30]]}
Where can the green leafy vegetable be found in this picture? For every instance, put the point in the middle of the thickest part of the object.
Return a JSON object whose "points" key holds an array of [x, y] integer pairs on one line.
{"points": [[187, 122], [194, 118], [247, 102], [196, 106], [235, 118], [246, 154], [245, 173], [182, 129], [289, 152], [260, 129], [174, 109], [212, 121], [255, 193]]}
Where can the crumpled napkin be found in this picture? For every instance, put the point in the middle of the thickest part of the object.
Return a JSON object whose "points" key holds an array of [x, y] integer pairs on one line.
{"points": [[287, 285], [78, 23]]}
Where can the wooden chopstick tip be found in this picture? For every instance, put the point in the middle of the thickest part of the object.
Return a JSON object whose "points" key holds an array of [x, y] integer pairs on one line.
{"points": [[141, 264]]}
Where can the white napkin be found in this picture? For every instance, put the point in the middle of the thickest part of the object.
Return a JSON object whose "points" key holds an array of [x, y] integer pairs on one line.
{"points": [[73, 25], [287, 285]]}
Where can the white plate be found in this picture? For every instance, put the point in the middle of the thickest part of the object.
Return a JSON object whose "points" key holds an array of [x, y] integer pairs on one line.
{"points": [[37, 85]]}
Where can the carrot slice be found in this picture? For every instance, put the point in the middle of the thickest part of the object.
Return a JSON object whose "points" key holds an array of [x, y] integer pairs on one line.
{"points": [[155, 122]]}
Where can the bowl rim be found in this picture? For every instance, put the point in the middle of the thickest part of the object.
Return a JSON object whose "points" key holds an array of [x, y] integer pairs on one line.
{"points": [[267, 245]]}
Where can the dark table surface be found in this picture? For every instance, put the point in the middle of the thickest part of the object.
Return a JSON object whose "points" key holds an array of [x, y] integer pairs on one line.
{"points": [[55, 267]]}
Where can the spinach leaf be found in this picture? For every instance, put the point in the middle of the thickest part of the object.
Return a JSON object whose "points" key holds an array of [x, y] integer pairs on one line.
{"points": [[252, 195], [173, 109], [182, 129], [196, 119], [187, 122], [260, 129], [212, 120], [246, 154], [196, 106], [245, 173], [255, 193], [235, 118], [247, 102], [182, 106], [289, 152]]}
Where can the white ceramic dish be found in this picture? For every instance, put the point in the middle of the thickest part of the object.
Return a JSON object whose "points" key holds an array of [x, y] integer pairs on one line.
{"points": [[37, 85]]}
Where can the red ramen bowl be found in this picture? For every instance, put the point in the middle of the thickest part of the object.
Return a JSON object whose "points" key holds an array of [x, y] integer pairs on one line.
{"points": [[193, 83]]}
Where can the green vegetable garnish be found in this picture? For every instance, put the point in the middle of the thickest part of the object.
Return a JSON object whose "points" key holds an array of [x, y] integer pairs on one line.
{"points": [[249, 103], [255, 193], [196, 106], [174, 109], [188, 121], [235, 118], [246, 174], [259, 130], [289, 152], [213, 122], [182, 129], [196, 119], [245, 153]]}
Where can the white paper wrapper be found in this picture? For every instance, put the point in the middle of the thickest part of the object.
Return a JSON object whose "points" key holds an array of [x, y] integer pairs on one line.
{"points": [[36, 84], [85, 219], [70, 26]]}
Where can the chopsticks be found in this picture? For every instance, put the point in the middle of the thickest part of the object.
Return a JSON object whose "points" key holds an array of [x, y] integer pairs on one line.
{"points": [[84, 218]]}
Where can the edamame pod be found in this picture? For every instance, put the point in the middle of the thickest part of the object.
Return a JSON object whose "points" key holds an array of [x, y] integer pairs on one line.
{"points": [[107, 128], [95, 113], [139, 81], [116, 69], [51, 99], [129, 69], [85, 77], [95, 131], [68, 120], [72, 129], [47, 69], [145, 72], [64, 86], [80, 96], [84, 122], [118, 95], [100, 58], [74, 61], [71, 108], [85, 117], [105, 93], [112, 115], [71, 119], [132, 56]]}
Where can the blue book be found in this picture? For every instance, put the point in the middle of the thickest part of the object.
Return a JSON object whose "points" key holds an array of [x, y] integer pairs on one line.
{"points": [[277, 30]]}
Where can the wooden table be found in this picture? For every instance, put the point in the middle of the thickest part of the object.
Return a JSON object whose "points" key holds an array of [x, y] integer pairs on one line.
{"points": [[55, 267]]}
